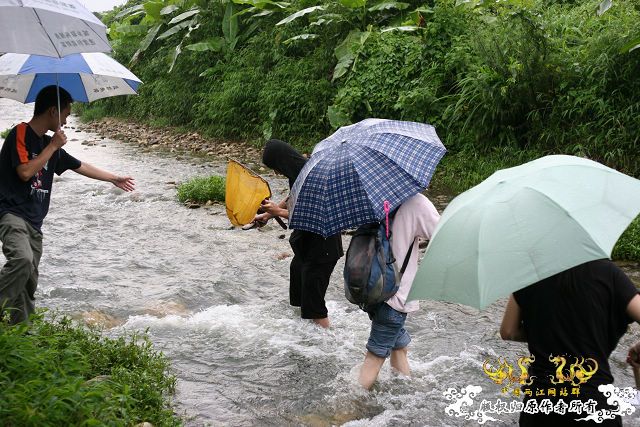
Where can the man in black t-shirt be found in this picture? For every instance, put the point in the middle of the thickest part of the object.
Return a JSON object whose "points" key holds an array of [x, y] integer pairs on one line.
{"points": [[571, 321], [28, 160]]}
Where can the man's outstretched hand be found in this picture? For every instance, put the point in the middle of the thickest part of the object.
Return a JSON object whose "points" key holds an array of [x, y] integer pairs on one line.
{"points": [[124, 182]]}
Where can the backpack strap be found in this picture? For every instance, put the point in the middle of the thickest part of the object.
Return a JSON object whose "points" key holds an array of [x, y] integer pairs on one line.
{"points": [[406, 258]]}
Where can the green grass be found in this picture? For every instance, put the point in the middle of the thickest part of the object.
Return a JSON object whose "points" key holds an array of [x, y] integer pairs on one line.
{"points": [[88, 114], [5, 133], [628, 246], [201, 189], [55, 372], [461, 170]]}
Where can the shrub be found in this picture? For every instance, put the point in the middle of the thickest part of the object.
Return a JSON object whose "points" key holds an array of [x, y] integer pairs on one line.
{"points": [[58, 373]]}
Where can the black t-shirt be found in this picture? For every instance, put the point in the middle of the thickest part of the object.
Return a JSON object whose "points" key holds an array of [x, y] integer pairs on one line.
{"points": [[579, 313], [29, 200]]}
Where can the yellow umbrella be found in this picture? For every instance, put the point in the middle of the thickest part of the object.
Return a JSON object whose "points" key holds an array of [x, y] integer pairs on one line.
{"points": [[245, 191]]}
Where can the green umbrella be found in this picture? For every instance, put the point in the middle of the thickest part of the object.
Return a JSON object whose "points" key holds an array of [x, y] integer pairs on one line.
{"points": [[524, 224]]}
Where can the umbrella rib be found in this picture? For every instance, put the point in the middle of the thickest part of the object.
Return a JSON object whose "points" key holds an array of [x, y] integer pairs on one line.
{"points": [[46, 32]]}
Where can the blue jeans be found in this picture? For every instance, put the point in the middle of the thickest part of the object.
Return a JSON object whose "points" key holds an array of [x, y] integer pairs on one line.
{"points": [[387, 331]]}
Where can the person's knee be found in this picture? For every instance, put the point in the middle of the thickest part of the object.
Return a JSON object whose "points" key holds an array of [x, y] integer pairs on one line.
{"points": [[400, 351], [22, 261]]}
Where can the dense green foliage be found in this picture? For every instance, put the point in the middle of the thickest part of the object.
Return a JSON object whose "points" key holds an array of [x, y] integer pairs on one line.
{"points": [[55, 373], [628, 247], [201, 189], [503, 82], [547, 76]]}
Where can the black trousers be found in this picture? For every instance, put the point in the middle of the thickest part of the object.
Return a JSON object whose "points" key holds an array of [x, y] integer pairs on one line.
{"points": [[308, 284]]}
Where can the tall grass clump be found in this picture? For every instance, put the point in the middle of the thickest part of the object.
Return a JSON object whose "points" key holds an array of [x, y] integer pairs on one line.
{"points": [[202, 189], [628, 246], [55, 373]]}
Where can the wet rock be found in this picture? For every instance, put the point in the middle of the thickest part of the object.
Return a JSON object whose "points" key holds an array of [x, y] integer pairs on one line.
{"points": [[165, 308], [192, 205], [98, 318], [144, 424]]}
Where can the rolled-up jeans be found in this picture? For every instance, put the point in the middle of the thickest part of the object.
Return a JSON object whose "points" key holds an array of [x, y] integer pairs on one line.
{"points": [[22, 247]]}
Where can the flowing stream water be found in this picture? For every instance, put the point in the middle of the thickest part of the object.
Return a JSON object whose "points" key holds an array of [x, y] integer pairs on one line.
{"points": [[214, 299]]}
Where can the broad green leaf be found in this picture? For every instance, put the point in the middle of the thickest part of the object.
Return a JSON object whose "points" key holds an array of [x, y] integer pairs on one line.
{"points": [[632, 45], [128, 29], [353, 4], [248, 31], [208, 72], [264, 4], [214, 45], [308, 36], [168, 10], [405, 28], [343, 65], [184, 16], [146, 42], [300, 13], [467, 3], [176, 28], [337, 117], [263, 13], [604, 6], [174, 56], [348, 51], [253, 11], [153, 9], [349, 44], [130, 11], [388, 5], [321, 22], [230, 26], [424, 10], [334, 16]]}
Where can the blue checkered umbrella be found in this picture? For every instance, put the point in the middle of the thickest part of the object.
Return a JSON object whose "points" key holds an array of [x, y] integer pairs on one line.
{"points": [[354, 171]]}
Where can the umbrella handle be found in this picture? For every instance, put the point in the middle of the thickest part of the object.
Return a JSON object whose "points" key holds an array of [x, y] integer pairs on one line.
{"points": [[58, 93]]}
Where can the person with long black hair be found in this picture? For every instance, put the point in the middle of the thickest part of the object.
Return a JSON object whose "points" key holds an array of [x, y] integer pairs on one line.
{"points": [[314, 256]]}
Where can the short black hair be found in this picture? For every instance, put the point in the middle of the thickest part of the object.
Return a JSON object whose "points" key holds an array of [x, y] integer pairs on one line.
{"points": [[48, 97]]}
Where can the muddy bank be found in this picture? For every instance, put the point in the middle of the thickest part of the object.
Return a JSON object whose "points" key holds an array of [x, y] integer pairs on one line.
{"points": [[192, 143], [171, 140]]}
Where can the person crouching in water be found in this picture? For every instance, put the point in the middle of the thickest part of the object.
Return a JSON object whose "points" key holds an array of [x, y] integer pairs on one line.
{"points": [[314, 256]]}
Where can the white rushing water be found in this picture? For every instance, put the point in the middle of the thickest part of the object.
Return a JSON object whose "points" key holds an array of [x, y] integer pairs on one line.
{"points": [[215, 300]]}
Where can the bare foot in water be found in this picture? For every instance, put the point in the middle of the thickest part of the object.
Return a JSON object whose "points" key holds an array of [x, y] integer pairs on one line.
{"points": [[324, 322]]}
